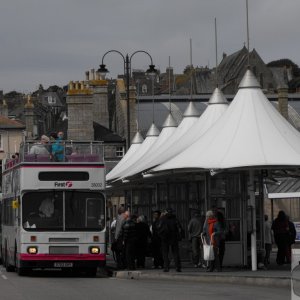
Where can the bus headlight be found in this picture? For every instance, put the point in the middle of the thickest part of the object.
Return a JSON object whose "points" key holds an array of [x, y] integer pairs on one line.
{"points": [[32, 250], [94, 250]]}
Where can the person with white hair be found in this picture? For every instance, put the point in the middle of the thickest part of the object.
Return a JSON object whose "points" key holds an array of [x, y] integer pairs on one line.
{"points": [[40, 147], [212, 232]]}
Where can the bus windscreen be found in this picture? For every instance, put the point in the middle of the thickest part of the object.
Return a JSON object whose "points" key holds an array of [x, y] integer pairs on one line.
{"points": [[63, 211]]}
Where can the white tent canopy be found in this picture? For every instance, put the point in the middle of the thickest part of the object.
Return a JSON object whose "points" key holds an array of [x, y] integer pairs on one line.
{"points": [[217, 105], [169, 127], [135, 144], [191, 115], [151, 137], [251, 133]]}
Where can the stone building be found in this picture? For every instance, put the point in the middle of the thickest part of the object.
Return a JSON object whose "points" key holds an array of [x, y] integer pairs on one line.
{"points": [[80, 112], [88, 116], [12, 133]]}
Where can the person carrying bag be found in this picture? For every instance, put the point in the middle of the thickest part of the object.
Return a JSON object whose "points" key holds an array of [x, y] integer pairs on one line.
{"points": [[208, 250], [211, 231]]}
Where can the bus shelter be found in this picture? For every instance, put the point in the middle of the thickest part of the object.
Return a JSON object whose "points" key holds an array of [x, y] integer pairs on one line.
{"points": [[224, 167]]}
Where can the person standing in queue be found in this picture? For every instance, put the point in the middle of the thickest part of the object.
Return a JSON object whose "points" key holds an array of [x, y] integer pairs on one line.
{"points": [[117, 245], [195, 228], [129, 236], [156, 241], [281, 231], [212, 232], [170, 232], [268, 240], [221, 237], [143, 236]]}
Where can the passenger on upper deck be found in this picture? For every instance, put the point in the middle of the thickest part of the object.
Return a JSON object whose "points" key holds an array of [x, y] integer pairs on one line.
{"points": [[58, 148], [41, 147]]}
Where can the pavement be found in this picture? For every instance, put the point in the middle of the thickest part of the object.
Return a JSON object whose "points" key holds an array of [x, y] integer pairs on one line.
{"points": [[274, 276]]}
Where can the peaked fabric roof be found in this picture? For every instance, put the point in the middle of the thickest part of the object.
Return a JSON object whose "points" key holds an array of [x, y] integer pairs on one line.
{"points": [[168, 130], [135, 144], [251, 133], [191, 115], [152, 136], [216, 107]]}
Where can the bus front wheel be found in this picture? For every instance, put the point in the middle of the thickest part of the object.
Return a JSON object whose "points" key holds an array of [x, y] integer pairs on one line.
{"points": [[22, 271]]}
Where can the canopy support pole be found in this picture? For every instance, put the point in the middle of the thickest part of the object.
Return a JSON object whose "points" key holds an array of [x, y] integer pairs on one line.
{"points": [[251, 191]]}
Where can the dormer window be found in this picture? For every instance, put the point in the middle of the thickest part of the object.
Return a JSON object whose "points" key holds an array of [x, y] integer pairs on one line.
{"points": [[144, 89], [50, 99]]}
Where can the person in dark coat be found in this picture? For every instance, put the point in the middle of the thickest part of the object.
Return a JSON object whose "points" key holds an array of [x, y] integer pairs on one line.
{"points": [[280, 228], [129, 236], [170, 231], [292, 240], [221, 238], [156, 242], [143, 236]]}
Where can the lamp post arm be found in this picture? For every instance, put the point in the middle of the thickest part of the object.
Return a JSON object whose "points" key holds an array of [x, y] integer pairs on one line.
{"points": [[141, 51], [116, 51]]}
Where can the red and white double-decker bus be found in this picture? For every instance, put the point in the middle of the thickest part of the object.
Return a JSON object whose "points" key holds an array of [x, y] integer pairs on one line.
{"points": [[53, 212]]}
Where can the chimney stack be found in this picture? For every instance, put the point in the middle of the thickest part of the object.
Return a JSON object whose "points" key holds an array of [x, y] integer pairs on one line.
{"points": [[87, 74], [283, 101]]}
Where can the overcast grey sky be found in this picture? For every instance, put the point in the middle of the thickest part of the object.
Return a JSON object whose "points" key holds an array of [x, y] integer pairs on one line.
{"points": [[55, 41]]}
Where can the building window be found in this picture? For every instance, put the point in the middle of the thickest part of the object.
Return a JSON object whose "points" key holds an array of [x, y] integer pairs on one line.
{"points": [[50, 99], [119, 151], [1, 142], [144, 89]]}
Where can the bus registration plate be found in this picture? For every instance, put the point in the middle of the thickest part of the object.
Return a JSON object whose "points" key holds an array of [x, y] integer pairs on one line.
{"points": [[63, 265]]}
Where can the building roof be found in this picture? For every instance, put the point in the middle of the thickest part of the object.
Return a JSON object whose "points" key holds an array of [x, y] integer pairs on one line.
{"points": [[283, 188], [102, 133], [7, 123]]}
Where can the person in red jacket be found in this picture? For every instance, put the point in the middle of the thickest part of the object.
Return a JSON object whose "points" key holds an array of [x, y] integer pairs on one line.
{"points": [[212, 232]]}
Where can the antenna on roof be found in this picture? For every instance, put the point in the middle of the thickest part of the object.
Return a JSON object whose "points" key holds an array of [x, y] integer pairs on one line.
{"points": [[248, 34], [216, 43], [138, 105], [191, 68], [170, 84], [152, 77]]}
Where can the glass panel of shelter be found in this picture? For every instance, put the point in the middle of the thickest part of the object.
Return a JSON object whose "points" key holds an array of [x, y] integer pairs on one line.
{"points": [[142, 203], [225, 196]]}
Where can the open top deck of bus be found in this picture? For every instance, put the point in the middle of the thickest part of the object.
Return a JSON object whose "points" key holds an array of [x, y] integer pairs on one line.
{"points": [[69, 152]]}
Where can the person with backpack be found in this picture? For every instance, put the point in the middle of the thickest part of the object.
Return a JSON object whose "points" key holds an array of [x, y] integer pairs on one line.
{"points": [[170, 232]]}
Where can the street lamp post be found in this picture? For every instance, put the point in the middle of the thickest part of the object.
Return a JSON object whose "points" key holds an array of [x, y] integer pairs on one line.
{"points": [[127, 72]]}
